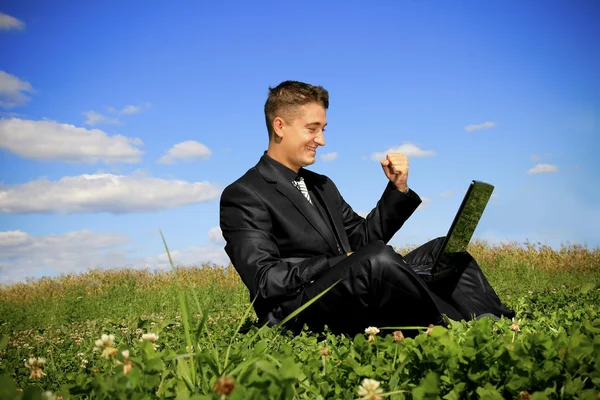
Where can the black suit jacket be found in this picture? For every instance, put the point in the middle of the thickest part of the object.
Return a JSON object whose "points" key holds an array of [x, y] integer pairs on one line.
{"points": [[279, 243]]}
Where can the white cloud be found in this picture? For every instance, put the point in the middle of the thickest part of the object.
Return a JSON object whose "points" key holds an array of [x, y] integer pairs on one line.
{"points": [[94, 118], [8, 22], [187, 151], [543, 168], [539, 157], [215, 235], [23, 255], [131, 109], [189, 256], [329, 156], [477, 127], [424, 203], [12, 91], [116, 194], [50, 140], [408, 149], [445, 194]]}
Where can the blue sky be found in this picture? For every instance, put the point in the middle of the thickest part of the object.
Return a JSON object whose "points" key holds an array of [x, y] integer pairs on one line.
{"points": [[118, 119]]}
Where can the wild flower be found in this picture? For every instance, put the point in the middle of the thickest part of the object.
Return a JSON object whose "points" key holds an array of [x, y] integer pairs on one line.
{"points": [[515, 326], [325, 352], [150, 337], [371, 331], [370, 390], [106, 343], [126, 363], [430, 329], [224, 386], [524, 395], [48, 395], [398, 336], [35, 365]]}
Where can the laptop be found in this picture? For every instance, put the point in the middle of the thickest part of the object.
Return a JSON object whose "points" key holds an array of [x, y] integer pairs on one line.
{"points": [[460, 232]]}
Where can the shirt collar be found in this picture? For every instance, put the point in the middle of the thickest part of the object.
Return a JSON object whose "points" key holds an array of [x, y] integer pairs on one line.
{"points": [[287, 173]]}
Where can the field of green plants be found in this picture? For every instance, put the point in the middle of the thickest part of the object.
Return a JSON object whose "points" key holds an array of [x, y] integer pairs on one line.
{"points": [[190, 333]]}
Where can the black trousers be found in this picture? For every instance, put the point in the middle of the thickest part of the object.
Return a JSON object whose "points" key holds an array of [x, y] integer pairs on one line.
{"points": [[378, 288]]}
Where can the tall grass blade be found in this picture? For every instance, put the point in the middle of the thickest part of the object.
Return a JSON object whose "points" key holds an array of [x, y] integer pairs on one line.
{"points": [[307, 304], [225, 364], [184, 309]]}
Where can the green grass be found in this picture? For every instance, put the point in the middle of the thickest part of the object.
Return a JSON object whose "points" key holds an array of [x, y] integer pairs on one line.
{"points": [[553, 354]]}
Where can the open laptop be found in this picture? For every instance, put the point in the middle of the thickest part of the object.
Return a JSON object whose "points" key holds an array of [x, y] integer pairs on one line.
{"points": [[460, 232]]}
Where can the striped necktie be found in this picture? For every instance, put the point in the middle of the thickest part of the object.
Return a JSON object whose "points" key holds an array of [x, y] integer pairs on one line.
{"points": [[299, 183]]}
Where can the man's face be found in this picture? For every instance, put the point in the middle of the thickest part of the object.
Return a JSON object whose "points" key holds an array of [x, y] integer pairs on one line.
{"points": [[302, 135]]}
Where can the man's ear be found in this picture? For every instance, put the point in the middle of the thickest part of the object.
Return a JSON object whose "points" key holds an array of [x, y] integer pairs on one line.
{"points": [[278, 124]]}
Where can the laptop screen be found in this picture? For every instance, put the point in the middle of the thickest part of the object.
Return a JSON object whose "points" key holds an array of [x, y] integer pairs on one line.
{"points": [[468, 216]]}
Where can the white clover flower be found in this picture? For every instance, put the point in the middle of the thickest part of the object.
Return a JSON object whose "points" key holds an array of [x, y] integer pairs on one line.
{"points": [[126, 363], [515, 326], [150, 337], [370, 390], [48, 396], [105, 341], [35, 365], [37, 362], [371, 330]]}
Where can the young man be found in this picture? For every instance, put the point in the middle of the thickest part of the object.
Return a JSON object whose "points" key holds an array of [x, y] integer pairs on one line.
{"points": [[290, 235]]}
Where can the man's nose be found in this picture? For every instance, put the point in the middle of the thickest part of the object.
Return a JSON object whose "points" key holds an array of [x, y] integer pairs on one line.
{"points": [[320, 139]]}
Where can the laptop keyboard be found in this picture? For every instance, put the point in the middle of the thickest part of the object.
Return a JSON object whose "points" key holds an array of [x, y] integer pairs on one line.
{"points": [[421, 269]]}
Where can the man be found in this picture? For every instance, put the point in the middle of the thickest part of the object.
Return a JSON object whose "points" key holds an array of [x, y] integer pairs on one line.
{"points": [[290, 235]]}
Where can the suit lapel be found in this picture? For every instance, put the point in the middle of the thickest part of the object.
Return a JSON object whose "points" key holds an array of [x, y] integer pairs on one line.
{"points": [[336, 217], [308, 211], [286, 188]]}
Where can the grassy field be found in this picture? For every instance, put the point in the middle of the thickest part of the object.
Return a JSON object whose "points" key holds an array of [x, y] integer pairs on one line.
{"points": [[174, 334]]}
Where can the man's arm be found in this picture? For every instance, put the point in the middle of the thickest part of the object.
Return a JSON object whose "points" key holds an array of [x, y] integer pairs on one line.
{"points": [[252, 248], [396, 205], [386, 218]]}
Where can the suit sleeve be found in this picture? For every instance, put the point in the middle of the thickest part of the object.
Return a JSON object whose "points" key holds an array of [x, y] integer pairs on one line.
{"points": [[252, 248], [388, 216]]}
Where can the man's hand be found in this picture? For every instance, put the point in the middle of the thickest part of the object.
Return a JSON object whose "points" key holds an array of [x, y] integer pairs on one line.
{"points": [[395, 166]]}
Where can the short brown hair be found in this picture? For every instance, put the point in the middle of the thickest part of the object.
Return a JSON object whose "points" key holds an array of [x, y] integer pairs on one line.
{"points": [[288, 95]]}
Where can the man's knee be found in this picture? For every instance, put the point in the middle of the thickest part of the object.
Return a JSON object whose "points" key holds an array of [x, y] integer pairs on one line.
{"points": [[383, 257]]}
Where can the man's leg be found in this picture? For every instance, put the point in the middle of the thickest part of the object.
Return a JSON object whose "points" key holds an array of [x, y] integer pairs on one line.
{"points": [[467, 289], [375, 288]]}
